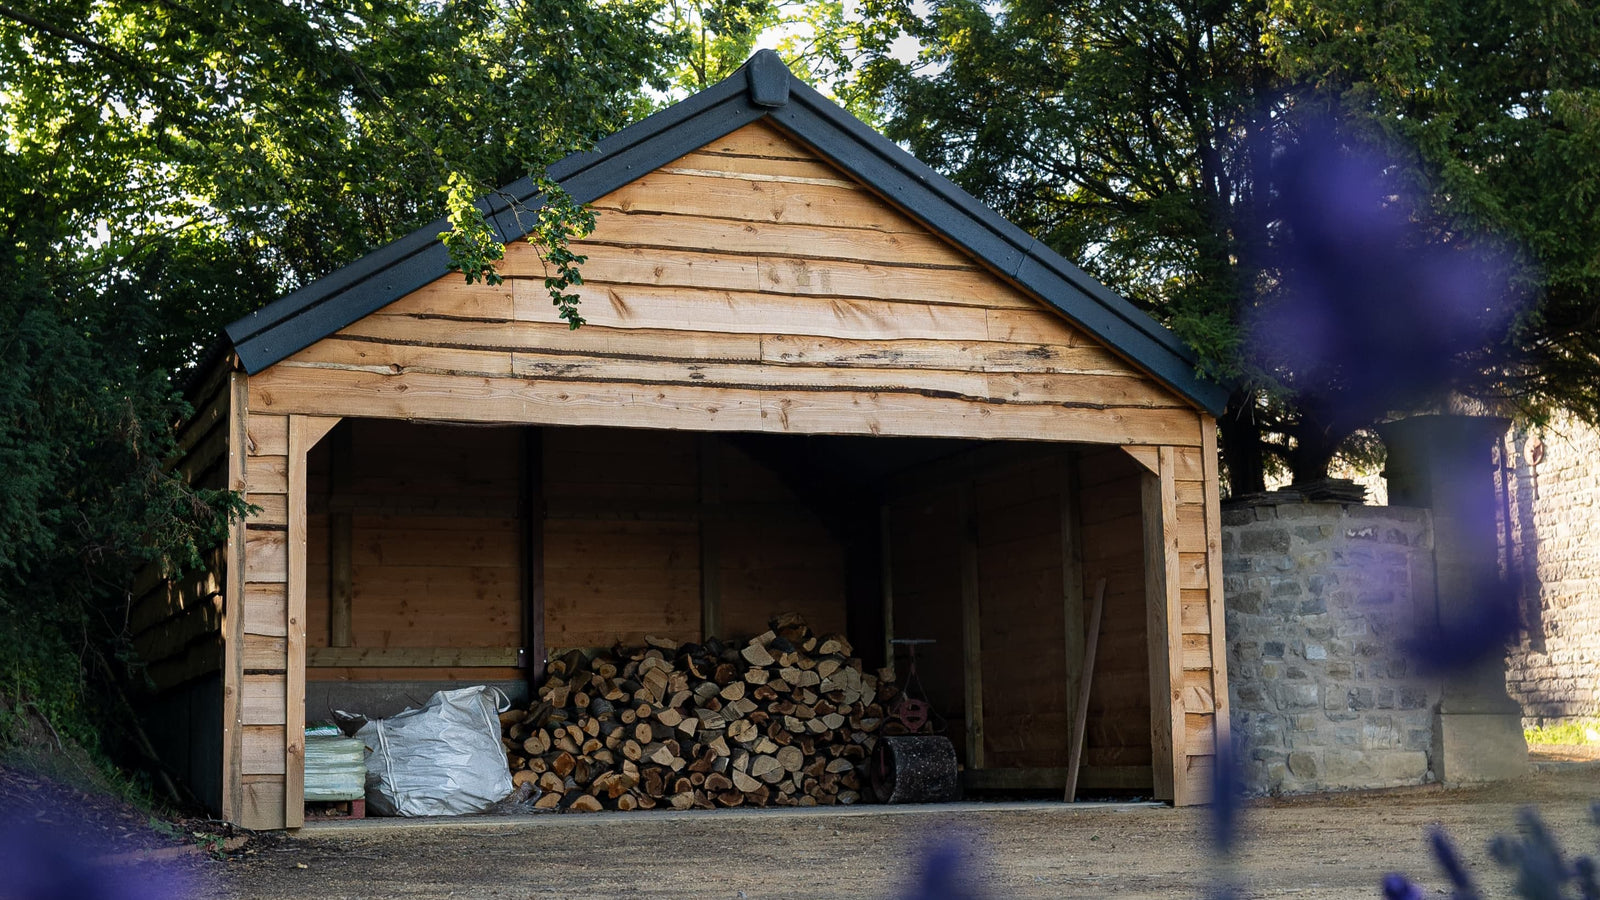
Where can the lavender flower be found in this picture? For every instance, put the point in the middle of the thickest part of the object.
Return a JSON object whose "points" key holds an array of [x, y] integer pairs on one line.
{"points": [[1450, 862], [1397, 887]]}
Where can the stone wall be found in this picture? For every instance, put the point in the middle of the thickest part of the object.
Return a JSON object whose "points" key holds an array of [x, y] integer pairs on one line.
{"points": [[1316, 596], [1550, 516]]}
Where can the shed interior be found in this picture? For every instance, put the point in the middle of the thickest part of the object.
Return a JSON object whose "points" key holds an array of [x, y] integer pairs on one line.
{"points": [[431, 547]]}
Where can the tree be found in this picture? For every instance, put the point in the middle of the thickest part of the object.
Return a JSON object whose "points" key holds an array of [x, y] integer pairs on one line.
{"points": [[168, 166], [1155, 143]]}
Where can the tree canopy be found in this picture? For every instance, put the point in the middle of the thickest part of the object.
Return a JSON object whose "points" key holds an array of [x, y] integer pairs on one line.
{"points": [[166, 167], [1158, 144]]}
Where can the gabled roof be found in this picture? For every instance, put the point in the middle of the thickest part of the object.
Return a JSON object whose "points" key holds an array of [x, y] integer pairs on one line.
{"points": [[762, 88]]}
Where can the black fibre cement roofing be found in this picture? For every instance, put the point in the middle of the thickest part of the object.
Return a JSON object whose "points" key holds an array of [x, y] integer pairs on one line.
{"points": [[763, 88]]}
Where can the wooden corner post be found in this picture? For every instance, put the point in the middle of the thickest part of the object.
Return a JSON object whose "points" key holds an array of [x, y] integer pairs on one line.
{"points": [[1218, 614], [1163, 609], [233, 807], [304, 432]]}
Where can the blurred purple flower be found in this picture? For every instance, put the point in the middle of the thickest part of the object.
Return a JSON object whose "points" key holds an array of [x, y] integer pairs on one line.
{"points": [[1481, 629], [1450, 862], [1397, 887], [1373, 311], [1228, 791], [943, 874]]}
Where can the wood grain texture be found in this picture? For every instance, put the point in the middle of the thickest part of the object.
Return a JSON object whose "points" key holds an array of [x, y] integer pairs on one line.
{"points": [[261, 800], [238, 609], [303, 433], [1219, 643], [739, 291], [693, 408]]}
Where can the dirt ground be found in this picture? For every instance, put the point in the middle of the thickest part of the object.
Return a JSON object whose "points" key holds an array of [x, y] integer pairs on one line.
{"points": [[1324, 846]]}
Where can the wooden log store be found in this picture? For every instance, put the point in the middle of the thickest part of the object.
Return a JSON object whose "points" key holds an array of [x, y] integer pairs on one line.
{"points": [[816, 377]]}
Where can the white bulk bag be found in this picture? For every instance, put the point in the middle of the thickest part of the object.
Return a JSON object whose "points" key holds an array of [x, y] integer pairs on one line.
{"points": [[444, 759]]}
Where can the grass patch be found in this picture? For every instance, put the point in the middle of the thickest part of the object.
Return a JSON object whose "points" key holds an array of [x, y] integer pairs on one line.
{"points": [[1580, 731]]}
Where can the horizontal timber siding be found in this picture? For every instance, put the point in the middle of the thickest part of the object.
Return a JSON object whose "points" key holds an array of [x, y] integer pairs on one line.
{"points": [[745, 287], [176, 622]]}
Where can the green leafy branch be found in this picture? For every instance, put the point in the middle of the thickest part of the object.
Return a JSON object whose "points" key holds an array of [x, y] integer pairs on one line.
{"points": [[476, 249]]}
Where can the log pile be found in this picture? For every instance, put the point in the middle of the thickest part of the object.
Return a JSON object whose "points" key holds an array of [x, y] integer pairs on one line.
{"points": [[786, 719]]}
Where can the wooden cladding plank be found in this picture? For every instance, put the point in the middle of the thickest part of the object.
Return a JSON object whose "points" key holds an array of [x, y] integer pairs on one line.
{"points": [[266, 610], [267, 435], [210, 412], [1057, 358], [1199, 736], [1189, 462], [760, 139], [1146, 457], [264, 750], [414, 673], [1192, 571], [758, 200], [1213, 519], [799, 169], [451, 297], [266, 475], [646, 324], [261, 802], [261, 652], [1191, 528], [774, 277], [273, 510], [1073, 389], [678, 232], [266, 555], [262, 700], [203, 457], [1196, 612], [401, 657], [521, 401], [1202, 777], [1198, 696]]}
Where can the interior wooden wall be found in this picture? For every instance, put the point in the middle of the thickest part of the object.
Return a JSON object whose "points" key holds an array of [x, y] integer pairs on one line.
{"points": [[1022, 609], [925, 562], [621, 538], [434, 544], [631, 515], [1019, 530], [1118, 726]]}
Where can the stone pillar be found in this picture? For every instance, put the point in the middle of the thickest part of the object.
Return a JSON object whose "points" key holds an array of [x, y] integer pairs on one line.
{"points": [[1443, 462]]}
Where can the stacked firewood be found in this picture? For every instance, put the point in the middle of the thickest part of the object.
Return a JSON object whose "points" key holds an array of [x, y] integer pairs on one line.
{"points": [[786, 719]]}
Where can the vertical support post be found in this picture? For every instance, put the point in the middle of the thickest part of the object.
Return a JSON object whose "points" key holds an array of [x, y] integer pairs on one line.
{"points": [[1214, 598], [300, 441], [971, 624], [886, 555], [233, 608], [530, 512], [710, 548], [1072, 592], [341, 543], [1164, 630]]}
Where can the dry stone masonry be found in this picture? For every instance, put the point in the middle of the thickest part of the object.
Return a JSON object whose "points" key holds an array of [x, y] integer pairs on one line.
{"points": [[1550, 488], [1317, 596]]}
